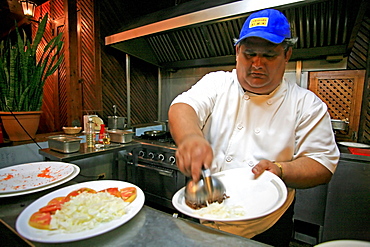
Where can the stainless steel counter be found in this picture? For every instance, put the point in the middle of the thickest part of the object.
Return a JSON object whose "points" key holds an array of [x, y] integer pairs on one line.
{"points": [[85, 152], [149, 227]]}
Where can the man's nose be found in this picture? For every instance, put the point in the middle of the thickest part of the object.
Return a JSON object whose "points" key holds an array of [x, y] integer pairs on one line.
{"points": [[257, 62]]}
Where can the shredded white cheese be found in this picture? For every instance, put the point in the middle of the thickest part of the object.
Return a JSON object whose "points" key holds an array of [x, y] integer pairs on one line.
{"points": [[221, 211], [86, 211]]}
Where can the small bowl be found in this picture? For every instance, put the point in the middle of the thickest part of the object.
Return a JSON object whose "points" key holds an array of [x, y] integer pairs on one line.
{"points": [[72, 130]]}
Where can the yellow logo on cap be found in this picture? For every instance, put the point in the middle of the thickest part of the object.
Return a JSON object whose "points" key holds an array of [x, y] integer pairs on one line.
{"points": [[257, 22]]}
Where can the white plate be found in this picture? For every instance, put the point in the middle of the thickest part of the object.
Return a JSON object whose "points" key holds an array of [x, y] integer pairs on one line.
{"points": [[344, 243], [46, 236], [97, 121], [354, 144], [32, 175], [76, 171], [259, 197]]}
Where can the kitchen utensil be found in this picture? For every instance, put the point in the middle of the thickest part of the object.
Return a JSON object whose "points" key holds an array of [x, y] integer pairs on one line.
{"points": [[139, 129], [155, 133], [339, 124], [208, 189], [115, 122], [64, 144], [72, 130], [120, 136]]}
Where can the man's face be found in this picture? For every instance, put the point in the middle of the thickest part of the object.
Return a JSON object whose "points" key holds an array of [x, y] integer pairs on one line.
{"points": [[260, 65]]}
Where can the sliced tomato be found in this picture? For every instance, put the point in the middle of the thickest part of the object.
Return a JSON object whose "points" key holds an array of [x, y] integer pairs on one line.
{"points": [[50, 208], [77, 192], [40, 220], [57, 200], [128, 194], [112, 191]]}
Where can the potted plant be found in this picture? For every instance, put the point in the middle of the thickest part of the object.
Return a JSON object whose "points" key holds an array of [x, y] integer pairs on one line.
{"points": [[23, 71]]}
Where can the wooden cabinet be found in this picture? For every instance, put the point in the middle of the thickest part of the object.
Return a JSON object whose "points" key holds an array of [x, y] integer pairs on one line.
{"points": [[342, 92]]}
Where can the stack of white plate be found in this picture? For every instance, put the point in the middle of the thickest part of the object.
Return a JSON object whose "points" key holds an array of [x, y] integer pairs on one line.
{"points": [[33, 177]]}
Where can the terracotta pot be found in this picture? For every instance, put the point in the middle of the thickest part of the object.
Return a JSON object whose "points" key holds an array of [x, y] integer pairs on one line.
{"points": [[29, 120]]}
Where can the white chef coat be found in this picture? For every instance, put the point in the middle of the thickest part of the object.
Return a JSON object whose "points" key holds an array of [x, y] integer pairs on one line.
{"points": [[244, 128]]}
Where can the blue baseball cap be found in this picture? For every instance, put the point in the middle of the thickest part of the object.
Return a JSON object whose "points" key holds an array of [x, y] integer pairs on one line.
{"points": [[268, 24]]}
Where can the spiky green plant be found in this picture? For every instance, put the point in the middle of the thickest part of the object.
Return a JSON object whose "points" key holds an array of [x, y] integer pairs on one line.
{"points": [[22, 74]]}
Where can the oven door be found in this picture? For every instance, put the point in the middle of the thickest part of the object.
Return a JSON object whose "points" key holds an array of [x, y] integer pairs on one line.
{"points": [[158, 183]]}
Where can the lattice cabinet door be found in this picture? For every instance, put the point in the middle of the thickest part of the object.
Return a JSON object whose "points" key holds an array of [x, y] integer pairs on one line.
{"points": [[342, 92]]}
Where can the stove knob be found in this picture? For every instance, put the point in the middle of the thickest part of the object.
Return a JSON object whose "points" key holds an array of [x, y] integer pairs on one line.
{"points": [[151, 155], [161, 157], [141, 153], [172, 159]]}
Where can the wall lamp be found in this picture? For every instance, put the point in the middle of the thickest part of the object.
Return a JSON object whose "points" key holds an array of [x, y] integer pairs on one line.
{"points": [[28, 9]]}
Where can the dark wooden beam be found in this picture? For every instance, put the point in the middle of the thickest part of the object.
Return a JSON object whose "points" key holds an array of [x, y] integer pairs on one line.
{"points": [[73, 86]]}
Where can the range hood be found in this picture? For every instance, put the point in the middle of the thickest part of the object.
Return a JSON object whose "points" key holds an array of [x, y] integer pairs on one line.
{"points": [[191, 35]]}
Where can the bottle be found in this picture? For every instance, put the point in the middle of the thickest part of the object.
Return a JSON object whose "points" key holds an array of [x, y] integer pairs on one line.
{"points": [[90, 133], [106, 138], [101, 134]]}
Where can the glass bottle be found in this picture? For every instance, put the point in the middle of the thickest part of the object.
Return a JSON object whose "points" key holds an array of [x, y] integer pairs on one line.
{"points": [[101, 134], [90, 133], [106, 138]]}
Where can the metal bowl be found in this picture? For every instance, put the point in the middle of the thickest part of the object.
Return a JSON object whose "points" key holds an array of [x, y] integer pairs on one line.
{"points": [[72, 130], [339, 124], [208, 189]]}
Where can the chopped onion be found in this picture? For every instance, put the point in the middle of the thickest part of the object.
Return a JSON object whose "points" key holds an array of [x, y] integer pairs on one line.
{"points": [[86, 211], [221, 211]]}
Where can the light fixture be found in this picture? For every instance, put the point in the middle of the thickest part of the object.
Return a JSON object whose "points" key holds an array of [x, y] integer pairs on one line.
{"points": [[28, 8]]}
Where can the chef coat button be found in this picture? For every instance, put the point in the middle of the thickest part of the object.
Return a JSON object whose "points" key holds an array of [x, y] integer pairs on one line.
{"points": [[250, 163], [257, 131], [229, 158], [269, 102], [246, 97], [240, 126]]}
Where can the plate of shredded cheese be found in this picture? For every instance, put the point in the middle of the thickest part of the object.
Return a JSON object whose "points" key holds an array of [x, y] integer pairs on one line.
{"points": [[248, 197], [108, 213], [33, 175]]}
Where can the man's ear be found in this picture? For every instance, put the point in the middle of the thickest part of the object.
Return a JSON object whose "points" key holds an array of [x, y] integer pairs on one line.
{"points": [[288, 54], [237, 49]]}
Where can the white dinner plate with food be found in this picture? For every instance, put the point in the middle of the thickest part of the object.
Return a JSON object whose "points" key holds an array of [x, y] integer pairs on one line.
{"points": [[56, 236], [32, 175], [354, 144], [76, 171], [249, 198]]}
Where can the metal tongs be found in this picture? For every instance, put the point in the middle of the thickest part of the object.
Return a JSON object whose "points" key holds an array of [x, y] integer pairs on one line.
{"points": [[207, 190]]}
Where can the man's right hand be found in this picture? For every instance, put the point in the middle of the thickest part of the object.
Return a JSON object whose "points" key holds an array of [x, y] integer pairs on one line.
{"points": [[193, 153], [193, 150]]}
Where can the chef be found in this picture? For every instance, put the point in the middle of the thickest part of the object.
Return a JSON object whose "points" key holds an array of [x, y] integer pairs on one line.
{"points": [[253, 117]]}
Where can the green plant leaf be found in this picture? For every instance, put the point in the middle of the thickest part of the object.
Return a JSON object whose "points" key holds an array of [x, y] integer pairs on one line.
{"points": [[24, 68]]}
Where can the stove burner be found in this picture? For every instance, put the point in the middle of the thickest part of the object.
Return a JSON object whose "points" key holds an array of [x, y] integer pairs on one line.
{"points": [[165, 139]]}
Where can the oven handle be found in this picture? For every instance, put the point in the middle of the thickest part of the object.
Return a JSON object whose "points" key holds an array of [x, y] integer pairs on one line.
{"points": [[160, 171]]}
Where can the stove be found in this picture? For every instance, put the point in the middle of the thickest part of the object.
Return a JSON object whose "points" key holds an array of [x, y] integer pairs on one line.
{"points": [[152, 167]]}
